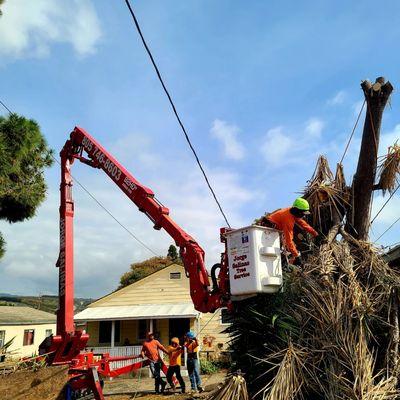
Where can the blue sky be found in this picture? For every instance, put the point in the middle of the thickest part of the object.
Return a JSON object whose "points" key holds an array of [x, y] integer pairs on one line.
{"points": [[262, 87]]}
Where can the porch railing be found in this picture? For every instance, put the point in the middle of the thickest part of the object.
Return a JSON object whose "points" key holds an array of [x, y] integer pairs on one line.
{"points": [[126, 351], [118, 352]]}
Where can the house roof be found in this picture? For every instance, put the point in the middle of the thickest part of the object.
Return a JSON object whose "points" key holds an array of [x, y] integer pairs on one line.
{"points": [[143, 311], [393, 254], [157, 288], [13, 315]]}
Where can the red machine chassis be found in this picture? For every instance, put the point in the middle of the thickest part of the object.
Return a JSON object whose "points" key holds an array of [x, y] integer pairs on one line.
{"points": [[68, 345]]}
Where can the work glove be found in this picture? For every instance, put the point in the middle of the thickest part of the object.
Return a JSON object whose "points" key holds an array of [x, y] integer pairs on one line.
{"points": [[292, 259], [315, 234], [298, 261]]}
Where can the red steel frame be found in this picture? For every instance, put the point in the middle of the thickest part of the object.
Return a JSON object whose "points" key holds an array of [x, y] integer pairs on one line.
{"points": [[66, 347]]}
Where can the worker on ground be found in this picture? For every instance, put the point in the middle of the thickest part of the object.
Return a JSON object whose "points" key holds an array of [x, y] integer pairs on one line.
{"points": [[175, 352], [192, 348], [151, 349], [284, 220]]}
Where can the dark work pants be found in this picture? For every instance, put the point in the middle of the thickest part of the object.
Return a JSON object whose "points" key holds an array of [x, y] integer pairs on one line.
{"points": [[175, 369], [155, 368]]}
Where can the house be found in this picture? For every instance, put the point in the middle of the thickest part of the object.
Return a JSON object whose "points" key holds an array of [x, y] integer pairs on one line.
{"points": [[161, 303], [29, 327], [392, 257]]}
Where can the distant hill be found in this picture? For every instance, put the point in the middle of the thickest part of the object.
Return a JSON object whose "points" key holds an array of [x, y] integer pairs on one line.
{"points": [[47, 303]]}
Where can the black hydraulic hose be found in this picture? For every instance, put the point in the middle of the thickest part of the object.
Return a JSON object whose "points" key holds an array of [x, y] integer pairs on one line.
{"points": [[214, 277]]}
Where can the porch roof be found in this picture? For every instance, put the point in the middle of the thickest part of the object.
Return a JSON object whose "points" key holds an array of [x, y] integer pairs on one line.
{"points": [[142, 311]]}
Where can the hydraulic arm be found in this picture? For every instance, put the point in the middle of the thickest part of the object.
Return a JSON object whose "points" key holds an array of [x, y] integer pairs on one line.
{"points": [[83, 147]]}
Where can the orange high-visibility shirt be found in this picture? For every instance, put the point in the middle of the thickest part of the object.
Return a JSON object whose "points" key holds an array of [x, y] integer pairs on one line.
{"points": [[150, 349], [284, 221], [192, 347], [174, 356]]}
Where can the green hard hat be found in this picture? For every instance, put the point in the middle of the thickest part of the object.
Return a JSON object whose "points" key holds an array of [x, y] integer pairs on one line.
{"points": [[301, 204]]}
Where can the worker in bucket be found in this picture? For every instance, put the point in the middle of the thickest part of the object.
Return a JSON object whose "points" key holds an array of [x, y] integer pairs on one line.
{"points": [[151, 349], [193, 366], [285, 219], [175, 352]]}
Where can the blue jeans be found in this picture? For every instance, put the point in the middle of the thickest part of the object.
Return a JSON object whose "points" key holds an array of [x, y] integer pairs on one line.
{"points": [[155, 368], [193, 367]]}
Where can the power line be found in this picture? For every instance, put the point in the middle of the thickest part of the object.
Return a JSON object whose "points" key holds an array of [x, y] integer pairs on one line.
{"points": [[352, 132], [116, 220], [201, 330], [99, 203], [5, 107], [110, 213], [174, 109], [390, 227], [384, 205]]}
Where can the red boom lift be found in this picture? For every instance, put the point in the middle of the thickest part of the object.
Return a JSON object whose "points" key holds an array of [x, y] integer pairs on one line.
{"points": [[67, 346]]}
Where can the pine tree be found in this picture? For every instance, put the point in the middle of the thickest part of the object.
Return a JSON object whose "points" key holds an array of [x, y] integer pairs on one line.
{"points": [[172, 253], [24, 154]]}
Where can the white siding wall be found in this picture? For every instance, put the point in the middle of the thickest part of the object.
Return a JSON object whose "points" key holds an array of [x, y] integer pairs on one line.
{"points": [[17, 348]]}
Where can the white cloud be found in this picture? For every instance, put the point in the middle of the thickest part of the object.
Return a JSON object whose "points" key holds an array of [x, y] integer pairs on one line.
{"points": [[314, 127], [338, 98], [197, 212], [103, 250], [280, 147], [277, 147], [142, 146], [227, 135], [29, 28]]}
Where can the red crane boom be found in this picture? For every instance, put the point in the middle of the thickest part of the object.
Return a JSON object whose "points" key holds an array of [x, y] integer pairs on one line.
{"points": [[66, 346]]}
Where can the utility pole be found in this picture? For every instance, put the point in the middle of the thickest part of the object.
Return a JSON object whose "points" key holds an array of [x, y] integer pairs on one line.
{"points": [[376, 97]]}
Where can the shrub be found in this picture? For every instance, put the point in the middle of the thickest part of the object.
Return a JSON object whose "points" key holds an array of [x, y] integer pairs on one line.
{"points": [[209, 367]]}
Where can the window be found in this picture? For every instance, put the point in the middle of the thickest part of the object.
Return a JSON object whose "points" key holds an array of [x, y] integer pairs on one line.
{"points": [[2, 338], [29, 337], [144, 327], [105, 331], [174, 275], [49, 332], [226, 317]]}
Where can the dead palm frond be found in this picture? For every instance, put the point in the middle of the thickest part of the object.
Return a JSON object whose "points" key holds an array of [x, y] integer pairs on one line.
{"points": [[327, 195], [290, 375], [340, 180], [234, 387], [389, 169]]}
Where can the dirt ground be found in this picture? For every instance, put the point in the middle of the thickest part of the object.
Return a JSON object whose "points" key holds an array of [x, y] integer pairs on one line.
{"points": [[44, 384], [150, 397], [129, 389], [48, 384]]}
